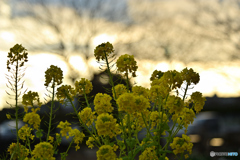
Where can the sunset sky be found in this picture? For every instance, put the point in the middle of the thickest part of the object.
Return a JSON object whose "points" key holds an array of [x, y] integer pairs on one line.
{"points": [[168, 38]]}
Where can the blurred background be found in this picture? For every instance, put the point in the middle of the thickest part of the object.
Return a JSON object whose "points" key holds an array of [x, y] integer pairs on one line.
{"points": [[161, 34]]}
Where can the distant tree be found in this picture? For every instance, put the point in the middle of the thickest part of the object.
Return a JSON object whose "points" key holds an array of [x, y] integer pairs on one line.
{"points": [[221, 22], [187, 30], [66, 27]]}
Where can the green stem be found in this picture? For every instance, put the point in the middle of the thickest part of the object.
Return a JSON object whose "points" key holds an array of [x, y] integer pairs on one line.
{"points": [[75, 110], [69, 146], [127, 81], [85, 96], [110, 76], [51, 111], [16, 104], [148, 130], [29, 146], [185, 92], [170, 135]]}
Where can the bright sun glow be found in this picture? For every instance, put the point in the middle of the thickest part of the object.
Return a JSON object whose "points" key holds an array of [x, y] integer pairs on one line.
{"points": [[78, 63], [34, 74], [218, 80], [7, 36], [102, 38]]}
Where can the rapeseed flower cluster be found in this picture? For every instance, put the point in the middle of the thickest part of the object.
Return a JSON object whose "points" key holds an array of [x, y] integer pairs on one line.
{"points": [[78, 137], [156, 117], [137, 120], [106, 152], [64, 92], [25, 132], [32, 118], [53, 74], [198, 101], [50, 139], [18, 152], [127, 64], [17, 54], [43, 150], [29, 98], [139, 90], [190, 76], [158, 92], [106, 125], [87, 116], [83, 86], [102, 103], [180, 145], [103, 50], [119, 90], [172, 78], [65, 128], [91, 141], [138, 108], [186, 117], [131, 103], [149, 154], [67, 131], [174, 105]]}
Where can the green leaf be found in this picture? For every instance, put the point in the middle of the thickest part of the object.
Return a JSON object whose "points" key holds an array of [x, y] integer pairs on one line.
{"points": [[39, 133]]}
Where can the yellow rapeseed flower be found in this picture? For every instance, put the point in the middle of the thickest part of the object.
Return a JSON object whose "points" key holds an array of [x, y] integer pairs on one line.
{"points": [[190, 76], [174, 104], [198, 101], [131, 103], [8, 116], [25, 132], [84, 85], [50, 138], [78, 137], [29, 98], [180, 145], [91, 141], [139, 90], [186, 117], [106, 152], [33, 119], [65, 128], [106, 125], [53, 74], [58, 139], [87, 116], [149, 154], [17, 53], [172, 78], [102, 103], [156, 116], [23, 151], [127, 64], [43, 150], [119, 89], [137, 121], [158, 91], [103, 50], [63, 90]]}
